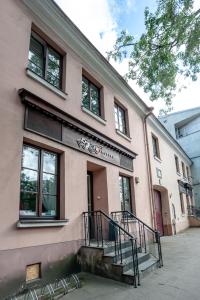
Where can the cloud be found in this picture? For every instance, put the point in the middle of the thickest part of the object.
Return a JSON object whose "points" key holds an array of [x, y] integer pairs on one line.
{"points": [[95, 20]]}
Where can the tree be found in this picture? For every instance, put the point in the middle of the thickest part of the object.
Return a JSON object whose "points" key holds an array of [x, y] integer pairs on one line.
{"points": [[169, 47]]}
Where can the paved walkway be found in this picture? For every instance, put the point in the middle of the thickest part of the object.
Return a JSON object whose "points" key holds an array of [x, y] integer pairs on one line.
{"points": [[179, 279]]}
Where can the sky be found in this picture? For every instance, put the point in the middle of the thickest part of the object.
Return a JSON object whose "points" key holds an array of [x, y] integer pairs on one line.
{"points": [[102, 20]]}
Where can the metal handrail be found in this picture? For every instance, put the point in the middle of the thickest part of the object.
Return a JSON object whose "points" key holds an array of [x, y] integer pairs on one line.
{"points": [[126, 217], [95, 219], [134, 216]]}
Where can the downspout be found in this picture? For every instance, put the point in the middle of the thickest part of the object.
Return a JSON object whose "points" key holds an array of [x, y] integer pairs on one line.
{"points": [[148, 159]]}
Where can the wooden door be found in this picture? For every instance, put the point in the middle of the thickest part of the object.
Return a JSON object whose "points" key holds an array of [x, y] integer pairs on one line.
{"points": [[158, 212]]}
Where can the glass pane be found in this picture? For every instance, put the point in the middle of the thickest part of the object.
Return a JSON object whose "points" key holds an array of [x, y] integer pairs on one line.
{"points": [[85, 93], [53, 68], [94, 98], [49, 205], [30, 157], [29, 180], [155, 152], [54, 56], [116, 118], [49, 162], [122, 126], [55, 81], [36, 56], [121, 192], [28, 204], [49, 184], [127, 199]]}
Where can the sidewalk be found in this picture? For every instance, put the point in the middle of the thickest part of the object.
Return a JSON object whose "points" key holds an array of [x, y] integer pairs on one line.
{"points": [[179, 279]]}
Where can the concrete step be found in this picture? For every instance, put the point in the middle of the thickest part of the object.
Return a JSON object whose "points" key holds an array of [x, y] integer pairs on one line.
{"points": [[110, 246], [110, 257], [127, 263], [145, 268]]}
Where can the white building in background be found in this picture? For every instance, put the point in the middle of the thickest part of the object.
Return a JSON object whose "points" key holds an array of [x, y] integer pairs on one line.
{"points": [[184, 126]]}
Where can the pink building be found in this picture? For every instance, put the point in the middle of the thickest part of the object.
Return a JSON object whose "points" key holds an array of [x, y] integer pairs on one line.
{"points": [[73, 139]]}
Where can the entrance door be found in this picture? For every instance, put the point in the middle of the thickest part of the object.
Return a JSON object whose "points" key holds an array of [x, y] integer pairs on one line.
{"points": [[90, 191], [91, 220], [158, 212]]}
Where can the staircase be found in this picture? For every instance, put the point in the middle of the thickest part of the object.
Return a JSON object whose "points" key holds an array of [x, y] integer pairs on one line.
{"points": [[120, 247]]}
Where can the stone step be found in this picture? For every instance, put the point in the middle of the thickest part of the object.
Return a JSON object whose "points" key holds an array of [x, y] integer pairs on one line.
{"points": [[127, 263], [110, 246], [144, 268], [110, 257]]}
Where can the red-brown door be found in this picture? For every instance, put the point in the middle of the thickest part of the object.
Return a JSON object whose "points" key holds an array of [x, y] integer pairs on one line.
{"points": [[158, 212]]}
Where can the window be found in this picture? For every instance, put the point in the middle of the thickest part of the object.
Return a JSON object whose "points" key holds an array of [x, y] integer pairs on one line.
{"points": [[182, 203], [39, 178], [156, 151], [45, 61], [177, 164], [125, 193], [183, 169], [91, 96], [187, 172], [120, 119]]}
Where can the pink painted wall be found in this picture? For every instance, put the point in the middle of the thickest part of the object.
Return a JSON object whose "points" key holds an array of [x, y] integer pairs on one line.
{"points": [[14, 46]]}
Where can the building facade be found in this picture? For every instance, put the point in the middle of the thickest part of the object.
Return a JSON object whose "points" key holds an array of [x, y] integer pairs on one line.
{"points": [[184, 126], [171, 183], [73, 139]]}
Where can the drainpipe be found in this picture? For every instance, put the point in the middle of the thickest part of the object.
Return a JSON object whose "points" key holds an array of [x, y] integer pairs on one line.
{"points": [[150, 181]]}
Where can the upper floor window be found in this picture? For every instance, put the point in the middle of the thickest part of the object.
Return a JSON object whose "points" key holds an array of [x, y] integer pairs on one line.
{"points": [[45, 61], [183, 169], [188, 173], [155, 143], [125, 193], [39, 181], [177, 164], [120, 119], [91, 96]]}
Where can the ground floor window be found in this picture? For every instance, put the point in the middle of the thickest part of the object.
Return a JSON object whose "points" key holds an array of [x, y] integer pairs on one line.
{"points": [[39, 181], [182, 203], [125, 193]]}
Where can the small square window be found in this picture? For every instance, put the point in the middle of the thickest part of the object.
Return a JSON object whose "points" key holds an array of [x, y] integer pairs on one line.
{"points": [[33, 272], [155, 143]]}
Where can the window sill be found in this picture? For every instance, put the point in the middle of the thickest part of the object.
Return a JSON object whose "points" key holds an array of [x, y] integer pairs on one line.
{"points": [[99, 119], [158, 159], [41, 223], [45, 83], [123, 135]]}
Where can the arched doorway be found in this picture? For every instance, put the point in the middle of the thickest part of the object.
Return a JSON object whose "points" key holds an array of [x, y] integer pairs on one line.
{"points": [[162, 215], [158, 212]]}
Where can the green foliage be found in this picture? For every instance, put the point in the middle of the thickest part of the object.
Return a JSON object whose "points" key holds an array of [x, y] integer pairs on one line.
{"points": [[169, 47]]}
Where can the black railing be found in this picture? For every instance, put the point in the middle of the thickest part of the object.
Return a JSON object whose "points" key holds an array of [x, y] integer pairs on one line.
{"points": [[102, 231], [193, 211], [147, 238]]}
